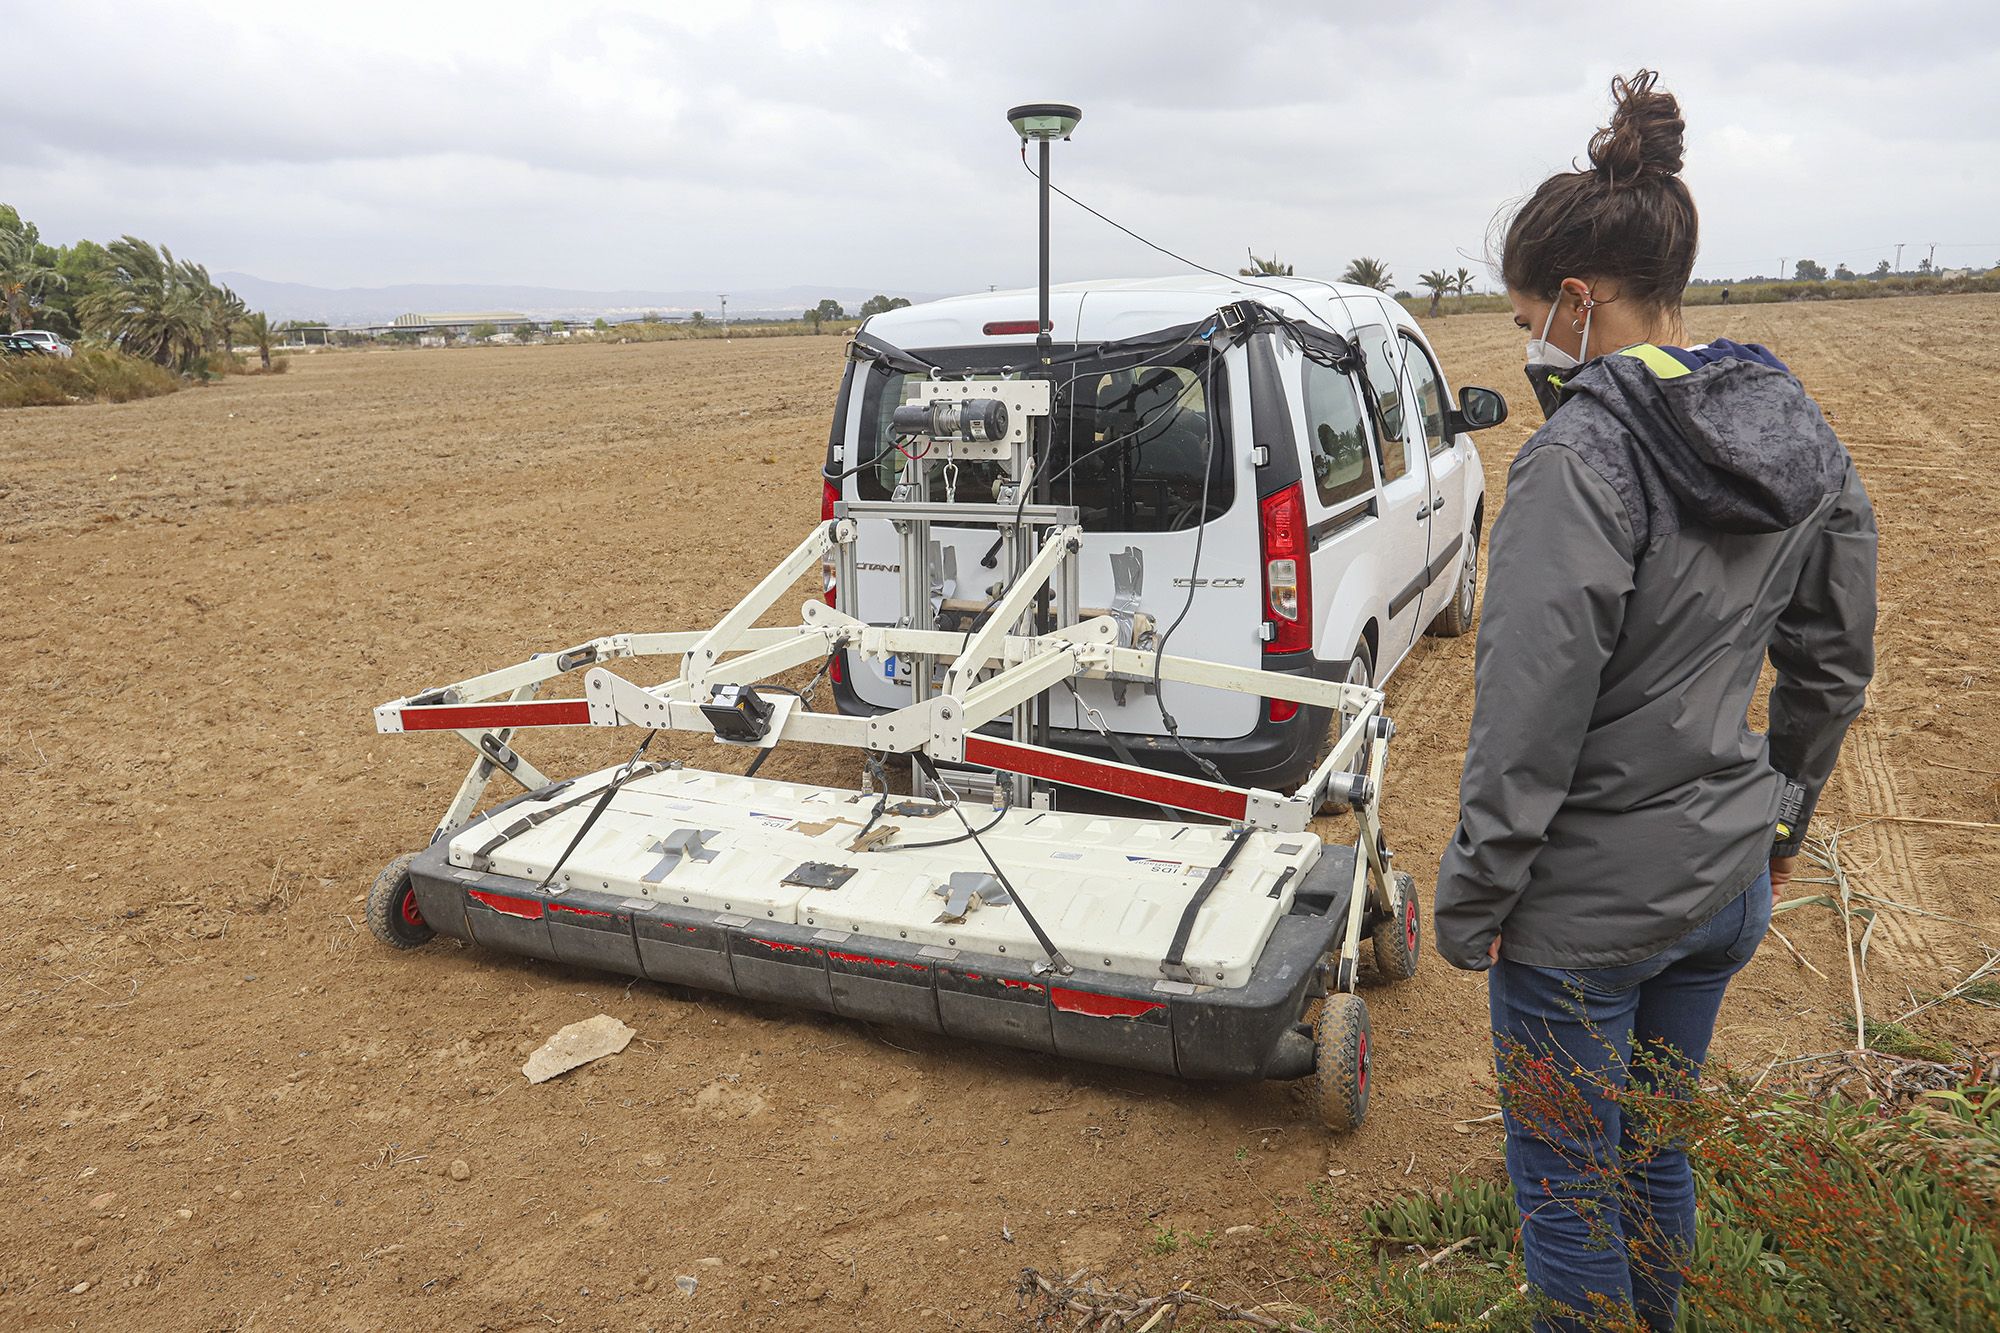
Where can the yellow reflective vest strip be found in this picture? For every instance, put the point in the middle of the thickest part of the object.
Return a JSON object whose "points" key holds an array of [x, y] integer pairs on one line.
{"points": [[1662, 364]]}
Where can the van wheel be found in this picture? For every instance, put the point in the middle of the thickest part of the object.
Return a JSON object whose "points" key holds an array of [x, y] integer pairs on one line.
{"points": [[1341, 1073], [1360, 671], [1456, 619]]}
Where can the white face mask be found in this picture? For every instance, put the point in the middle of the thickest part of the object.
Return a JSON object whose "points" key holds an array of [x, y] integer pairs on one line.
{"points": [[1542, 352]]}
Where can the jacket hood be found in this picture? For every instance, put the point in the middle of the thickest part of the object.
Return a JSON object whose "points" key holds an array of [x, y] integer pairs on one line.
{"points": [[1739, 443]]}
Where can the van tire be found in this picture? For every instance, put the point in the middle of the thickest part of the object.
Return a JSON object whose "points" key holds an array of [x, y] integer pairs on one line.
{"points": [[1456, 619], [1360, 671]]}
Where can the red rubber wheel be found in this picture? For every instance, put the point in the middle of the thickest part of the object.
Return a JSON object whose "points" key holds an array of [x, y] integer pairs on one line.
{"points": [[393, 914], [1341, 1076], [1399, 935]]}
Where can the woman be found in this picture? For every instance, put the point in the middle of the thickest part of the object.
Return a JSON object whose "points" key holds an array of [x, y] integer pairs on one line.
{"points": [[1685, 511]]}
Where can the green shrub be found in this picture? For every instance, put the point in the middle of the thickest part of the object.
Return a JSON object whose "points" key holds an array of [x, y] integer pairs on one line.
{"points": [[1814, 1216], [93, 375]]}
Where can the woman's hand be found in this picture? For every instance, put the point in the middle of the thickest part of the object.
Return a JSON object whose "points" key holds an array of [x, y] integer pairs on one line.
{"points": [[1781, 875]]}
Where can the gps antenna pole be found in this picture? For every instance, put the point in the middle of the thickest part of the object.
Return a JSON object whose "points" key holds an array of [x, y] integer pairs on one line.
{"points": [[1042, 339], [1044, 122]]}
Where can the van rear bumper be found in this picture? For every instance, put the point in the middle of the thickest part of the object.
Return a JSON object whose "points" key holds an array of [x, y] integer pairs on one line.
{"points": [[1276, 756]]}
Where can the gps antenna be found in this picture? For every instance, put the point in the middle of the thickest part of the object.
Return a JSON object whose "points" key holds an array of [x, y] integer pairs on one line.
{"points": [[1044, 122]]}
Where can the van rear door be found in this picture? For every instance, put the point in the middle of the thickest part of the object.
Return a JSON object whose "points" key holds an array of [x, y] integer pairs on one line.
{"points": [[1130, 437]]}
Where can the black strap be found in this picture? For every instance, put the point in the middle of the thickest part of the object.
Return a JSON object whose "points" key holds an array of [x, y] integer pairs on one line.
{"points": [[1056, 960], [1172, 965], [626, 774]]}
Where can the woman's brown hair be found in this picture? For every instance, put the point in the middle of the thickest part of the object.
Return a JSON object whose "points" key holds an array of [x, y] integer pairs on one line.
{"points": [[1627, 217]]}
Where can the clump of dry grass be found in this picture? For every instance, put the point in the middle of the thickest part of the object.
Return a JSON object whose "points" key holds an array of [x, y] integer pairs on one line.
{"points": [[93, 375]]}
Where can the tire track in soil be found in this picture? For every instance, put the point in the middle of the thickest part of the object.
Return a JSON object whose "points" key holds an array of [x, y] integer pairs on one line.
{"points": [[1897, 445]]}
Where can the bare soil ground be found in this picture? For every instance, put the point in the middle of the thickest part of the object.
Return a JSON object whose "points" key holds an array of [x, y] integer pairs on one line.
{"points": [[228, 1107]]}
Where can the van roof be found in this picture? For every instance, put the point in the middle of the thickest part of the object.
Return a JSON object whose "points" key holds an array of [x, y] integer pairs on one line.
{"points": [[1111, 308]]}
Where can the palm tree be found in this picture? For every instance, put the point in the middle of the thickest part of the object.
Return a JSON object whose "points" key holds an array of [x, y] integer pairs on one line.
{"points": [[1264, 268], [147, 303], [1366, 272], [24, 277], [1438, 283], [1461, 282], [222, 308], [258, 329]]}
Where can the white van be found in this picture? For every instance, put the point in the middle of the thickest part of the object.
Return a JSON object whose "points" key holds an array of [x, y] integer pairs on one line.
{"points": [[1339, 518]]}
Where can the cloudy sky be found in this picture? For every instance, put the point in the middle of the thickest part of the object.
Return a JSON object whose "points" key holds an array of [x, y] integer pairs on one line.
{"points": [[718, 145]]}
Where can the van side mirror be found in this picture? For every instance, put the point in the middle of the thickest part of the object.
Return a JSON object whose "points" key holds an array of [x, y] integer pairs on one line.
{"points": [[1478, 409]]}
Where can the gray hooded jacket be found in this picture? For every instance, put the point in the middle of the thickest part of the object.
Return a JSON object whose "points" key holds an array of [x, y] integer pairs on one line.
{"points": [[1664, 531]]}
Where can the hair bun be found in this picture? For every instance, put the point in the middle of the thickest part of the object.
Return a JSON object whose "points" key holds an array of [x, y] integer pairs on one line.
{"points": [[1644, 136]]}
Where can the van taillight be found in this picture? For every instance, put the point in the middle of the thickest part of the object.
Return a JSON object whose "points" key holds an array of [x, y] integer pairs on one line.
{"points": [[1287, 572], [829, 495], [1005, 328]]}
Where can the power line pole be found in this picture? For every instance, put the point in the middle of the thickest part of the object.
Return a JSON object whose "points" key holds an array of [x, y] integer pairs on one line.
{"points": [[724, 297], [1899, 256], [1932, 258], [1781, 266]]}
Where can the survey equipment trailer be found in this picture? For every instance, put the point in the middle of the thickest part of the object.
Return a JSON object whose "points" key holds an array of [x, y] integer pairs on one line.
{"points": [[1196, 947]]}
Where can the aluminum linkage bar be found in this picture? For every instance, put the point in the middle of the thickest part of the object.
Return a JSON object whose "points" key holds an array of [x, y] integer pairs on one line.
{"points": [[1001, 615], [804, 559]]}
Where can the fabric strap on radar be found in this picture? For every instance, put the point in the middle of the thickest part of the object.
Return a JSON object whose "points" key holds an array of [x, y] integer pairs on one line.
{"points": [[1057, 962], [1172, 965], [624, 775]]}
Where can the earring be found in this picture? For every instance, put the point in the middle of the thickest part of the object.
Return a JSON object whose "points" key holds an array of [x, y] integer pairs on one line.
{"points": [[1576, 326]]}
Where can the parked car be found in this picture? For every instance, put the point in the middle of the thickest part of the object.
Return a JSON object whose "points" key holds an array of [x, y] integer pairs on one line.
{"points": [[13, 344], [1342, 520], [46, 341]]}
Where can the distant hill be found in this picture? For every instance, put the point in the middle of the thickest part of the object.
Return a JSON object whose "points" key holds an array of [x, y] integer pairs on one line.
{"points": [[379, 305]]}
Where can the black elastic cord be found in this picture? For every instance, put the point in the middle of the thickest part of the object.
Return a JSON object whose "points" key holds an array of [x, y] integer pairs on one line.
{"points": [[1056, 960], [629, 771]]}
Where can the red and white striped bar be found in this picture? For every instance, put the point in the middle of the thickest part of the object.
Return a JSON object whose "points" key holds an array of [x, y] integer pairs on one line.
{"points": [[1140, 784]]}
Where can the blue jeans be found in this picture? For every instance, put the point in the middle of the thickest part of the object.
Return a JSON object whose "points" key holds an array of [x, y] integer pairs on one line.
{"points": [[1606, 1220]]}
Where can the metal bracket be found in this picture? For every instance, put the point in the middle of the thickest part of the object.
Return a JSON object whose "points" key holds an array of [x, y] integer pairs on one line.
{"points": [[820, 875], [681, 844], [963, 889]]}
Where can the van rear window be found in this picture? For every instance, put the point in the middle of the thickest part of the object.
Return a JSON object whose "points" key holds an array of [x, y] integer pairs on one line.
{"points": [[1130, 437]]}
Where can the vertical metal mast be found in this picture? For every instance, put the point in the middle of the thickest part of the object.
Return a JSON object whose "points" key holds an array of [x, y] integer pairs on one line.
{"points": [[1044, 122]]}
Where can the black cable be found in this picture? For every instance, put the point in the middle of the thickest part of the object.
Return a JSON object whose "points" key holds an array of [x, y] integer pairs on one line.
{"points": [[1183, 259], [1194, 581], [970, 833]]}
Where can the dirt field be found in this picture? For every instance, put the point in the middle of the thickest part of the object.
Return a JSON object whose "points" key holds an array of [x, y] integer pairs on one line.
{"points": [[230, 1108]]}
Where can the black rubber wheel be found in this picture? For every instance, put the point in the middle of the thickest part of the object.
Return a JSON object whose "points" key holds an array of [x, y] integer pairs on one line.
{"points": [[392, 907], [1360, 671], [1341, 1074], [1456, 619], [1399, 936]]}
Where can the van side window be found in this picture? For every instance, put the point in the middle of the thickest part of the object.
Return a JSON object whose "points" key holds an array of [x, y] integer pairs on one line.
{"points": [[1336, 437], [1391, 430], [1430, 394]]}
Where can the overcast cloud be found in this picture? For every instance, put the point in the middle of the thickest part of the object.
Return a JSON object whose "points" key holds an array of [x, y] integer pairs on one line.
{"points": [[721, 145]]}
